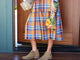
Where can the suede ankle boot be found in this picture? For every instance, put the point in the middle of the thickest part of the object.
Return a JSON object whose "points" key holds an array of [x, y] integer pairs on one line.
{"points": [[46, 56], [32, 54]]}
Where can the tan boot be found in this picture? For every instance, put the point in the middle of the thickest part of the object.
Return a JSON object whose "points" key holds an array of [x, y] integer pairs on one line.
{"points": [[32, 54], [46, 56]]}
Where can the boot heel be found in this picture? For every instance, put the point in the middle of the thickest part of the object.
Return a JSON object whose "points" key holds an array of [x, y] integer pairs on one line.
{"points": [[51, 59], [36, 57]]}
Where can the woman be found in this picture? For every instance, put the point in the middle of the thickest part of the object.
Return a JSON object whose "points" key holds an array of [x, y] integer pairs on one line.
{"points": [[36, 29]]}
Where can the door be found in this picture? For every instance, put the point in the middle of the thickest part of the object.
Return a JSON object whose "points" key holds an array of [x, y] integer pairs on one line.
{"points": [[69, 14]]}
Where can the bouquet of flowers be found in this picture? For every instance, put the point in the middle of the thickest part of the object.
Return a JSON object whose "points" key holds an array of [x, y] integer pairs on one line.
{"points": [[51, 22]]}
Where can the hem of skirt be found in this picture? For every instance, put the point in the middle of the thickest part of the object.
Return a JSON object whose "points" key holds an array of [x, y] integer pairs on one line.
{"points": [[57, 39], [38, 39], [44, 40]]}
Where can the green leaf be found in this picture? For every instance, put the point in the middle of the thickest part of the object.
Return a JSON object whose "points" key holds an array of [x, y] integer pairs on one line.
{"points": [[52, 21], [56, 4], [16, 7]]}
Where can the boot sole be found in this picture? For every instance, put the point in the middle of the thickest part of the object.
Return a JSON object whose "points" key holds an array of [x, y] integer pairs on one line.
{"points": [[50, 59], [32, 58], [36, 57]]}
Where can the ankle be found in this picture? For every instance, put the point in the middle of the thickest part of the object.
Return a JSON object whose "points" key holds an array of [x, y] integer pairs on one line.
{"points": [[34, 50], [48, 51]]}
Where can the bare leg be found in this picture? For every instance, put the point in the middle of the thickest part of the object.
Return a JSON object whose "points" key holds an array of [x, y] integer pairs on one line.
{"points": [[50, 44], [34, 53], [34, 45]]}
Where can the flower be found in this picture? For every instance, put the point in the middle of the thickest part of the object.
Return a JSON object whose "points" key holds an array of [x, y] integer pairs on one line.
{"points": [[47, 22]]}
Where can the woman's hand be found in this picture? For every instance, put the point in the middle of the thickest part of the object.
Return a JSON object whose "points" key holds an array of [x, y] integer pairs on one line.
{"points": [[53, 8]]}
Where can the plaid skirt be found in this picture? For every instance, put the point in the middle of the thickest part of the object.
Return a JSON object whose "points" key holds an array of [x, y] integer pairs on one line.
{"points": [[35, 27]]}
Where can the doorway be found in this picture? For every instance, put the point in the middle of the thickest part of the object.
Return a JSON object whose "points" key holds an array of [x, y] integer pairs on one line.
{"points": [[18, 45], [70, 30]]}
